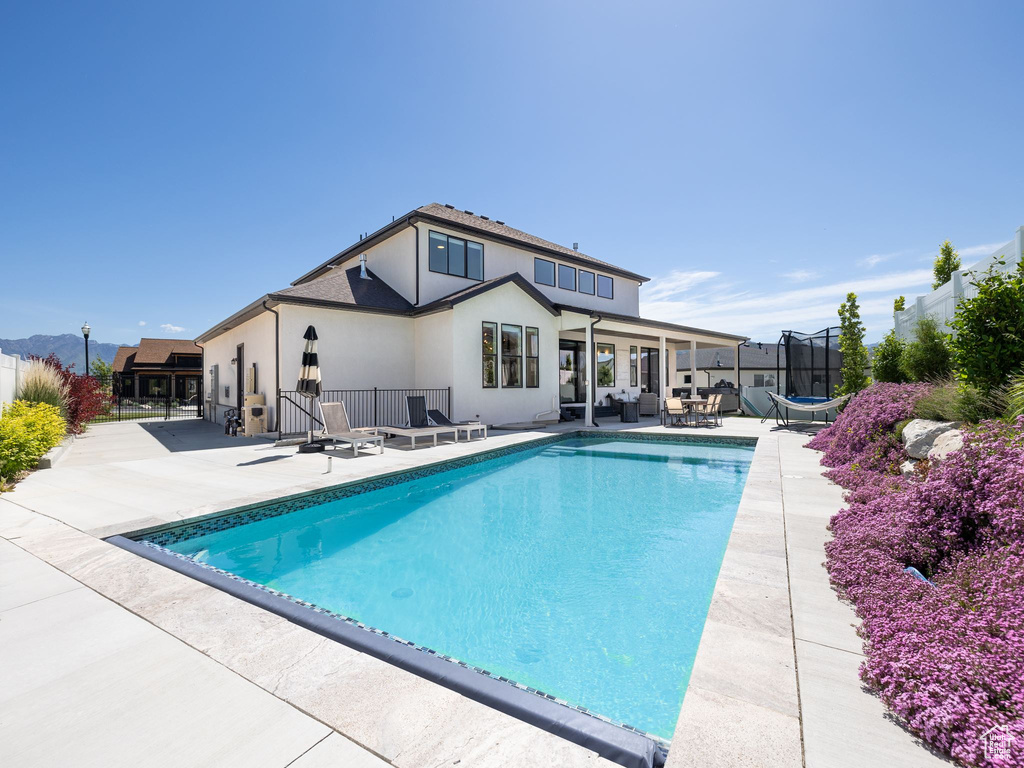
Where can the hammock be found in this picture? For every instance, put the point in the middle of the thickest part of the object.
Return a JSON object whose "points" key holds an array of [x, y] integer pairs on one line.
{"points": [[803, 405]]}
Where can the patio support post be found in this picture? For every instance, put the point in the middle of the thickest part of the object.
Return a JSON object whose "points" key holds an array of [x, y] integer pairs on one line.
{"points": [[589, 414], [693, 368], [665, 386]]}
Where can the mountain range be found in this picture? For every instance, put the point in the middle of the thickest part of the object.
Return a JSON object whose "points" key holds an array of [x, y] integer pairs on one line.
{"points": [[68, 347]]}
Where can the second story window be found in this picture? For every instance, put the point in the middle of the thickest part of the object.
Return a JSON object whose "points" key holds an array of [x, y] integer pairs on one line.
{"points": [[605, 287], [566, 277], [586, 282], [543, 272], [451, 255]]}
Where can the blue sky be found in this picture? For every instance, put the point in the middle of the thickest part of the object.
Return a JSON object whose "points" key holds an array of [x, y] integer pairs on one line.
{"points": [[164, 164]]}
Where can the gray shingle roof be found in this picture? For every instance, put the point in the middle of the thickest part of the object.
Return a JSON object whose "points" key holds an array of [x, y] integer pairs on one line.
{"points": [[466, 219], [345, 286]]}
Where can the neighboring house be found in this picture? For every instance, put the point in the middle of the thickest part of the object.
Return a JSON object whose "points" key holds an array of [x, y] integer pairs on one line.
{"points": [[510, 324], [942, 302], [158, 368], [759, 366]]}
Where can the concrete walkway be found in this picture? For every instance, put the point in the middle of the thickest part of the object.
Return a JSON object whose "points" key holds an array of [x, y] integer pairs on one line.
{"points": [[195, 677]]}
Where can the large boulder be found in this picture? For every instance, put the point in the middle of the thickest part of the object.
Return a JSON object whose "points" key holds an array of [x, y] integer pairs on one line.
{"points": [[920, 434], [945, 444]]}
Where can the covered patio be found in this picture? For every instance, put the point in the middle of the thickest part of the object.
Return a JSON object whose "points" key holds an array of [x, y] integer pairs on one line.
{"points": [[602, 354]]}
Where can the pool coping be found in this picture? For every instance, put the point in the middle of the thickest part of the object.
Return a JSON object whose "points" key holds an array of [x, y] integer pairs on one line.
{"points": [[614, 741]]}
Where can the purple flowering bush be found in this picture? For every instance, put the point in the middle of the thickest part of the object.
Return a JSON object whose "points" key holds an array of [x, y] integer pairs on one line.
{"points": [[947, 657]]}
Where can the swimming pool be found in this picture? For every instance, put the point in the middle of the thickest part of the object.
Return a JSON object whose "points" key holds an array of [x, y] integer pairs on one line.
{"points": [[582, 568]]}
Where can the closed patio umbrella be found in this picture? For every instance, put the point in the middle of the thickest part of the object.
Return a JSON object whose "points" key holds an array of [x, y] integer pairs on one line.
{"points": [[309, 384]]}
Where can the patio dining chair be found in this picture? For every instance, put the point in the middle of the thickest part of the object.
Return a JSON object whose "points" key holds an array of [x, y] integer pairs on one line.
{"points": [[675, 412], [709, 411]]}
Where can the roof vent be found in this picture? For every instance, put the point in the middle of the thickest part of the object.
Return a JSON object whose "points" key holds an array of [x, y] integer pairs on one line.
{"points": [[469, 212], [484, 217], [362, 267], [498, 221], [575, 246], [449, 206]]}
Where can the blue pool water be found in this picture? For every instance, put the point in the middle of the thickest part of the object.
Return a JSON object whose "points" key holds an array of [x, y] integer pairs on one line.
{"points": [[583, 568]]}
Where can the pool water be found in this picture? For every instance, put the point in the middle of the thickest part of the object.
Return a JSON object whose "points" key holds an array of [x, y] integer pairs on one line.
{"points": [[583, 568]]}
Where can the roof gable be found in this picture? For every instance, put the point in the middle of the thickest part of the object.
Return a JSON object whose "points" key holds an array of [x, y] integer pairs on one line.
{"points": [[449, 301], [159, 351]]}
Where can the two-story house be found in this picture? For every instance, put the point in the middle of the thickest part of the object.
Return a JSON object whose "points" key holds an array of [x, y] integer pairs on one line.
{"points": [[509, 324]]}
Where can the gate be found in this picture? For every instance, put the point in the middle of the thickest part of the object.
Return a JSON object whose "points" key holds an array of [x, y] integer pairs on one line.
{"points": [[167, 397]]}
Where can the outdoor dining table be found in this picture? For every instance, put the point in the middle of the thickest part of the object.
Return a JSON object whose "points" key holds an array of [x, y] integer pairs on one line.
{"points": [[691, 402]]}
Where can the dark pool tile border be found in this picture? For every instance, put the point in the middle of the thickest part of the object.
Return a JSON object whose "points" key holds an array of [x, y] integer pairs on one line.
{"points": [[173, 533]]}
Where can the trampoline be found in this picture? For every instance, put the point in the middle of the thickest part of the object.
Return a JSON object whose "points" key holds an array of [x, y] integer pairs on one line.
{"points": [[812, 367]]}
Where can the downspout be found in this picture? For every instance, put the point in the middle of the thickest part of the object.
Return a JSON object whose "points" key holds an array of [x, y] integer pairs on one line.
{"points": [[593, 372], [277, 368]]}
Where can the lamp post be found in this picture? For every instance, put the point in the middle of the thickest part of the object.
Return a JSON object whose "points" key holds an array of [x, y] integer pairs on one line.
{"points": [[85, 332]]}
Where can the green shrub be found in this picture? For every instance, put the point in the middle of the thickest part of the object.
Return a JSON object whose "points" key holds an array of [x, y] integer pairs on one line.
{"points": [[1014, 397], [988, 342], [952, 400], [27, 431], [927, 357], [887, 364], [43, 384]]}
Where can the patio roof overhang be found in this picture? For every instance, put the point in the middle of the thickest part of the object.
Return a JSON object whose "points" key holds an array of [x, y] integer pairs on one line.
{"points": [[609, 324]]}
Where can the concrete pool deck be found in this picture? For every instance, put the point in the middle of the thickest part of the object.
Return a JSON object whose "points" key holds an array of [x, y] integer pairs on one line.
{"points": [[775, 680]]}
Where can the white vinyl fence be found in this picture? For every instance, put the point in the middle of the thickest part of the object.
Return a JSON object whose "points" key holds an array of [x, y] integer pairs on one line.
{"points": [[941, 303], [12, 368]]}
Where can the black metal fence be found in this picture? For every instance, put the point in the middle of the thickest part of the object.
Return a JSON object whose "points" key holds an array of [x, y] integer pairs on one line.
{"points": [[121, 406], [366, 407]]}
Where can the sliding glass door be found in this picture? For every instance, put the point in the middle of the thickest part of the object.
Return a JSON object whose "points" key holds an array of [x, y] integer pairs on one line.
{"points": [[572, 371], [649, 379]]}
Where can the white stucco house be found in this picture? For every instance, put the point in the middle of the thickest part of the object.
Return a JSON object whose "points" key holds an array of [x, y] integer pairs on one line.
{"points": [[504, 324]]}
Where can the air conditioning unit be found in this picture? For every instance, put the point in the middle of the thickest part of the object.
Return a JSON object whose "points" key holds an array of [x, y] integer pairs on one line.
{"points": [[254, 419]]}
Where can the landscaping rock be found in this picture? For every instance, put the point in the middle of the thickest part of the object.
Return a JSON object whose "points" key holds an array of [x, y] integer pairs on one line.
{"points": [[920, 434], [908, 468], [945, 444]]}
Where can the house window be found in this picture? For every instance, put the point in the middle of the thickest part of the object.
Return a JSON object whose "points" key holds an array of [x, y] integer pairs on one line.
{"points": [[566, 277], [633, 357], [455, 256], [532, 357], [605, 287], [606, 365], [490, 356], [586, 282], [543, 272], [511, 355]]}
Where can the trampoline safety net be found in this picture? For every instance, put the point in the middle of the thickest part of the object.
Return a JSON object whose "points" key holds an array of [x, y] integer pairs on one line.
{"points": [[812, 363]]}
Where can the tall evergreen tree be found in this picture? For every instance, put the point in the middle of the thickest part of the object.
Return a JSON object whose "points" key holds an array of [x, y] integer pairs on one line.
{"points": [[946, 263], [851, 345]]}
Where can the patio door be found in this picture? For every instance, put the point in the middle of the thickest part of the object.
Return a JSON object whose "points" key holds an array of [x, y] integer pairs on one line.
{"points": [[649, 368], [572, 371]]}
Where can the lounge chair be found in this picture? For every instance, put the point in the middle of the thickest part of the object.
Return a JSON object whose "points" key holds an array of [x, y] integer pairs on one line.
{"points": [[469, 426], [675, 412], [338, 429], [417, 423], [816, 405], [648, 404]]}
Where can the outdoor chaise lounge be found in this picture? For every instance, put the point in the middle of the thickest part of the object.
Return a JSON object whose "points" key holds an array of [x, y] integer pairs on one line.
{"points": [[338, 429], [469, 427], [418, 424], [809, 405]]}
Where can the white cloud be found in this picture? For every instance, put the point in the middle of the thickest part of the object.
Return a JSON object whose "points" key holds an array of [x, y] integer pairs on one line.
{"points": [[677, 282], [168, 328], [800, 275], [874, 260], [977, 252], [141, 323], [762, 313]]}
